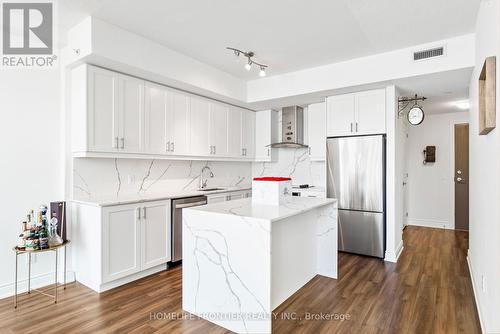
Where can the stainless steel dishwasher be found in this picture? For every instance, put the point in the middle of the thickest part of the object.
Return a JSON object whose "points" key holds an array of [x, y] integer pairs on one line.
{"points": [[177, 206]]}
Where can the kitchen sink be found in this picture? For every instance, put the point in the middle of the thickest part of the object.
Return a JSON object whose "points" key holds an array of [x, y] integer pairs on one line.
{"points": [[210, 189]]}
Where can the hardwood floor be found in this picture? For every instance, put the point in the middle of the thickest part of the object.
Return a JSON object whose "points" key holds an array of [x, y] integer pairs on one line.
{"points": [[428, 291]]}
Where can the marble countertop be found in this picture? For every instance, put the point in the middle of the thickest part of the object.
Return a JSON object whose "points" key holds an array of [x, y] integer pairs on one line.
{"points": [[137, 198], [245, 208]]}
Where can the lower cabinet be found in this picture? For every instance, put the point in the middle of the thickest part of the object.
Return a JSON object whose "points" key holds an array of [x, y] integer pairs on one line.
{"points": [[115, 245], [230, 196]]}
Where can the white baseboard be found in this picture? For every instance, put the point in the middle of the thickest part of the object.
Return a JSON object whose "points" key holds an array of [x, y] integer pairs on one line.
{"points": [[38, 281], [475, 291], [430, 223], [394, 256]]}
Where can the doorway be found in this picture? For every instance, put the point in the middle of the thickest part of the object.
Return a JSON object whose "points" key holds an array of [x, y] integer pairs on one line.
{"points": [[461, 177]]}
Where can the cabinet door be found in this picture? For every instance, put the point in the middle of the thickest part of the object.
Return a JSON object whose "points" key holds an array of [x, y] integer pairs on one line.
{"points": [[217, 198], [218, 129], [340, 115], [248, 133], [316, 131], [234, 132], [155, 119], [370, 112], [121, 255], [131, 115], [155, 234], [264, 129], [179, 116], [103, 129], [199, 125]]}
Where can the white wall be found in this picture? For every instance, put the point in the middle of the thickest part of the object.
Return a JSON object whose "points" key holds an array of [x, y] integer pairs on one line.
{"points": [[484, 185], [31, 163], [362, 71], [431, 186]]}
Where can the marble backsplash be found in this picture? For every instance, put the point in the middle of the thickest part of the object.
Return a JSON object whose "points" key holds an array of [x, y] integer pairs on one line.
{"points": [[294, 163], [115, 178], [98, 178]]}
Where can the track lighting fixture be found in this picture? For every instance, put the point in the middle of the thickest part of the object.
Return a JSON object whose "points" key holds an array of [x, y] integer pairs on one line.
{"points": [[250, 61]]}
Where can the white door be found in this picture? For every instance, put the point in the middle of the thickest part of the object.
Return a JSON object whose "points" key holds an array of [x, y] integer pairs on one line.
{"points": [[234, 132], [131, 115], [248, 133], [370, 112], [199, 126], [155, 234], [120, 242], [179, 122], [340, 115], [103, 131], [316, 131], [155, 119], [263, 135], [218, 129]]}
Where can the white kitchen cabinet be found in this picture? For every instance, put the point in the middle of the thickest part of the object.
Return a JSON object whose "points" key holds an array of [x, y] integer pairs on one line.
{"points": [[102, 87], [166, 122], [266, 133], [155, 234], [217, 198], [108, 111], [178, 118], [316, 131], [115, 245], [370, 112], [341, 115], [354, 114], [121, 252], [155, 120], [234, 132], [131, 114], [248, 134], [218, 130], [199, 126]]}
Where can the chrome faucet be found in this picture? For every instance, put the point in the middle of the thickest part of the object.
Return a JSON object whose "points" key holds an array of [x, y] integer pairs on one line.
{"points": [[203, 183]]}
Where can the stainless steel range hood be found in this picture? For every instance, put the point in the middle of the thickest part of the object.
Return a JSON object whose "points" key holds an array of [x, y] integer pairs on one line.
{"points": [[292, 128]]}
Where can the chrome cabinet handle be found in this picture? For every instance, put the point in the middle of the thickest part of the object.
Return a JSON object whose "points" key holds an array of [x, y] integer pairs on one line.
{"points": [[168, 146], [268, 152], [138, 213], [173, 146], [215, 149], [116, 143], [123, 142], [144, 213], [356, 126]]}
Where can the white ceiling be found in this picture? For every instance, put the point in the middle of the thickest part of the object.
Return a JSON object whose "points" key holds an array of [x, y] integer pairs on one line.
{"points": [[286, 34]]}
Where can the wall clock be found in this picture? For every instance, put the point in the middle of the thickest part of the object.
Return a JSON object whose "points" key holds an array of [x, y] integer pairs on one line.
{"points": [[415, 115]]}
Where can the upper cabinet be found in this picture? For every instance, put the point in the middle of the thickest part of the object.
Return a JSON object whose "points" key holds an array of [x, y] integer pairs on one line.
{"points": [[115, 114], [109, 111], [266, 133], [248, 134], [316, 131], [218, 129], [199, 126], [355, 114]]}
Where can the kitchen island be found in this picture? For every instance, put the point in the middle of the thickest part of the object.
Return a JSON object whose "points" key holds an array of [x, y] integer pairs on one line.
{"points": [[242, 260]]}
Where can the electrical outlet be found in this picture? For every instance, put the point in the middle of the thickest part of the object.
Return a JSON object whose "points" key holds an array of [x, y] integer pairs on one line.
{"points": [[483, 283]]}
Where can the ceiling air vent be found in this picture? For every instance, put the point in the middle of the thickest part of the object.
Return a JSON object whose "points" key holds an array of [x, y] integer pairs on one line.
{"points": [[430, 53]]}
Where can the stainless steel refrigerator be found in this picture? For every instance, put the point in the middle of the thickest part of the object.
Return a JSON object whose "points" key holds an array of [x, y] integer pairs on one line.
{"points": [[356, 178]]}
